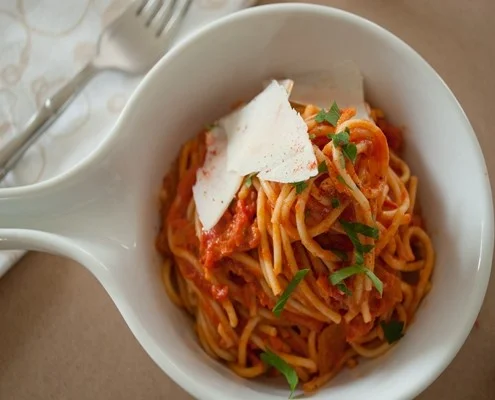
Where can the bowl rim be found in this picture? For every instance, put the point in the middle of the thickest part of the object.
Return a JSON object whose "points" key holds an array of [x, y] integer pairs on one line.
{"points": [[486, 249]]}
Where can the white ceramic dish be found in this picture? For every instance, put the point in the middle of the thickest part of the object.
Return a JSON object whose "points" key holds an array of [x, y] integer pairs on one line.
{"points": [[104, 213]]}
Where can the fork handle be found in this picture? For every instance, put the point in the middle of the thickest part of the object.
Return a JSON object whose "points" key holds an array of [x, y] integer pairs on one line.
{"points": [[52, 107]]}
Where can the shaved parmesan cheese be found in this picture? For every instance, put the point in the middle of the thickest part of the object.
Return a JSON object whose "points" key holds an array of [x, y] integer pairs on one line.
{"points": [[288, 84], [342, 83], [215, 185], [269, 137]]}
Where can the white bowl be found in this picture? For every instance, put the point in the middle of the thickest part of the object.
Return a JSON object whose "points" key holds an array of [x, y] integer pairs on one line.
{"points": [[104, 213]]}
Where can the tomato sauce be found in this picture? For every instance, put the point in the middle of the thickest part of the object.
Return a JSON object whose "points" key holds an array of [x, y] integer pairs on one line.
{"points": [[392, 294], [392, 133], [331, 347], [236, 231], [217, 292], [302, 320]]}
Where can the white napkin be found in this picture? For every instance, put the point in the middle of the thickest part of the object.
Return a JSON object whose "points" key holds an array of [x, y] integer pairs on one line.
{"points": [[42, 44]]}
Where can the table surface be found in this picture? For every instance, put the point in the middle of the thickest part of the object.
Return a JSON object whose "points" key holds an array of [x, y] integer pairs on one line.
{"points": [[61, 337]]}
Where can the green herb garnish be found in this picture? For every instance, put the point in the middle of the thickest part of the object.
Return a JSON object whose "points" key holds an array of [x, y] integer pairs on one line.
{"points": [[298, 277], [357, 227], [322, 167], [331, 116], [335, 202], [341, 138], [377, 283], [312, 136], [359, 258], [353, 228], [350, 151], [392, 330], [340, 254], [300, 186], [272, 360], [344, 273], [342, 180], [343, 288], [249, 179]]}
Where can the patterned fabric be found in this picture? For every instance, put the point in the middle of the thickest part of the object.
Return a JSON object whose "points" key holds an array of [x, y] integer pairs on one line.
{"points": [[42, 44]]}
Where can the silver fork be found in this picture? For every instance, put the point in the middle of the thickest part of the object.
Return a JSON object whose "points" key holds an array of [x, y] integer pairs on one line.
{"points": [[133, 43]]}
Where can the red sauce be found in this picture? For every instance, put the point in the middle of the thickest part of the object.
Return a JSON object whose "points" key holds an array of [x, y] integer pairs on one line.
{"points": [[236, 231], [316, 210], [330, 293], [331, 241], [357, 328], [264, 300], [185, 237], [389, 205], [331, 347], [321, 141], [392, 133], [275, 343], [238, 271], [392, 294], [217, 292], [308, 322]]}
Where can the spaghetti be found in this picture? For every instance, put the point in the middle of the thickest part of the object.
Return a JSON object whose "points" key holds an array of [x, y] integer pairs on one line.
{"points": [[354, 230]]}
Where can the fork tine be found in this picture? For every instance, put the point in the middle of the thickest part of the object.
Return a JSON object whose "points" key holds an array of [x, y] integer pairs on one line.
{"points": [[139, 5], [173, 23], [163, 15], [149, 11]]}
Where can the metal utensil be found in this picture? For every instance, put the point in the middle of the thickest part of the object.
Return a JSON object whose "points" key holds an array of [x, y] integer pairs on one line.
{"points": [[133, 43]]}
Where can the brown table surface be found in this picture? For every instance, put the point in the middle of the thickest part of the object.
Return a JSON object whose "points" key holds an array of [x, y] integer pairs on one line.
{"points": [[61, 337]]}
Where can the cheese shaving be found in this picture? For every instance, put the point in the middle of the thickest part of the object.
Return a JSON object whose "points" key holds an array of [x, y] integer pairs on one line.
{"points": [[269, 137], [215, 185]]}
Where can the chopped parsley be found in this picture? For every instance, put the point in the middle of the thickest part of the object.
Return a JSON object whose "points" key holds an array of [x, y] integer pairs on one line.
{"points": [[340, 254], [331, 116], [271, 359], [352, 229], [335, 202], [342, 139], [322, 167], [298, 277], [350, 151], [359, 258], [344, 273], [248, 181], [300, 186], [392, 330], [343, 288], [312, 136]]}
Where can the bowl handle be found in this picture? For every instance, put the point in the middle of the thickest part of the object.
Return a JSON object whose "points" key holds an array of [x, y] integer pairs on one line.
{"points": [[84, 211], [30, 219]]}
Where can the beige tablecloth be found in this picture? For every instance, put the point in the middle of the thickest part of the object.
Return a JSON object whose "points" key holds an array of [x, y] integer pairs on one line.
{"points": [[62, 338]]}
